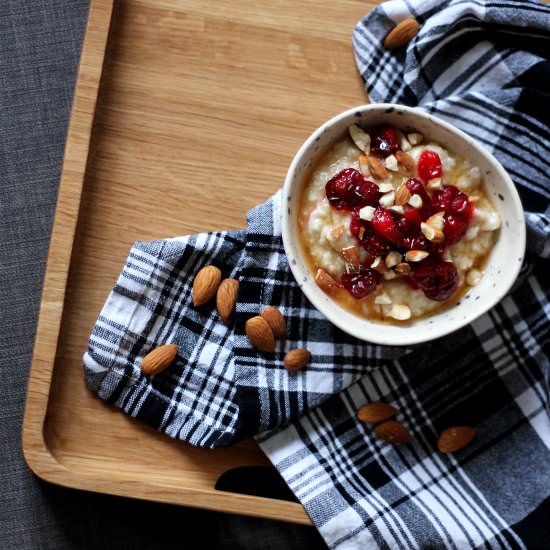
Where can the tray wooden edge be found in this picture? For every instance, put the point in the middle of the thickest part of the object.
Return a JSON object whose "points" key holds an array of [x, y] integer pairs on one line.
{"points": [[34, 445]]}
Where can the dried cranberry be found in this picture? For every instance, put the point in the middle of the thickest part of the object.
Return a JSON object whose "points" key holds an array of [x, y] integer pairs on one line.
{"points": [[417, 188], [385, 224], [416, 242], [349, 189], [429, 165], [411, 220], [455, 227], [360, 284], [385, 142], [372, 242], [436, 278]]}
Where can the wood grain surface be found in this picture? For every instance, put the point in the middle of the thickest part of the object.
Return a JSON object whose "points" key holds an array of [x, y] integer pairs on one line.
{"points": [[201, 108]]}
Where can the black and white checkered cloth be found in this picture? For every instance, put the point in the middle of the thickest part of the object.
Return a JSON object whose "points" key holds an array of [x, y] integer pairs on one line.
{"points": [[482, 66]]}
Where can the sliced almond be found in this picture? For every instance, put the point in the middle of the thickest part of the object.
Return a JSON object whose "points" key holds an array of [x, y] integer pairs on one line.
{"points": [[376, 168], [415, 201], [385, 187], [398, 209], [432, 234], [325, 281], [337, 232], [473, 277], [402, 194], [360, 138], [382, 299], [351, 258], [367, 213], [387, 199], [391, 163], [393, 258], [362, 231], [415, 138], [416, 255], [378, 265], [401, 312], [364, 165], [437, 221], [403, 268], [435, 184], [404, 144], [401, 34], [276, 321], [406, 162]]}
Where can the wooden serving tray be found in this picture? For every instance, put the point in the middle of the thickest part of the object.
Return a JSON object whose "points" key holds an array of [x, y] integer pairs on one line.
{"points": [[186, 113]]}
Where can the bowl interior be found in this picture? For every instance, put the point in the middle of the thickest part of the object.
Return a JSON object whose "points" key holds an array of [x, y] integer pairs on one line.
{"points": [[504, 261]]}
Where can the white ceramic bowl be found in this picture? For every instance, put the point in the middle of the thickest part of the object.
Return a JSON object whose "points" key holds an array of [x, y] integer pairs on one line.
{"points": [[504, 261]]}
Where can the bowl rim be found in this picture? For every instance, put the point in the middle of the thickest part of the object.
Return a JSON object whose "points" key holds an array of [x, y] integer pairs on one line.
{"points": [[292, 246]]}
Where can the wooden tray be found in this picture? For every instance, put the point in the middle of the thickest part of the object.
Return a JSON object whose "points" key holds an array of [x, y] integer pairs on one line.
{"points": [[201, 107]]}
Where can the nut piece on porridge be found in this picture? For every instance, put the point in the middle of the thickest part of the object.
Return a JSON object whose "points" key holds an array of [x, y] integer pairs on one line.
{"points": [[396, 226]]}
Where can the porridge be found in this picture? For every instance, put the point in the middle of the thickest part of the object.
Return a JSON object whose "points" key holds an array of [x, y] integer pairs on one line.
{"points": [[396, 227]]}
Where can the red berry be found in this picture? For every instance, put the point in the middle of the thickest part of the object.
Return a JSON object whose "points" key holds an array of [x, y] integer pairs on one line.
{"points": [[417, 188], [384, 142], [411, 220], [349, 189], [436, 278], [372, 242], [458, 211], [454, 228], [360, 284], [384, 224], [429, 165], [416, 242]]}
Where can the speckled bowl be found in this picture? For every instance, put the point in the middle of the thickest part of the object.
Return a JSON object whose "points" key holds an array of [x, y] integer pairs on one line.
{"points": [[502, 266]]}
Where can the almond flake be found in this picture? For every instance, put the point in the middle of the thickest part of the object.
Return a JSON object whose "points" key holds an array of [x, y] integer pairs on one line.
{"points": [[383, 299], [351, 258], [398, 209], [435, 184], [406, 162], [377, 169], [336, 233], [415, 138], [416, 255], [367, 213], [391, 163], [402, 195], [325, 281], [437, 221], [432, 234], [359, 137], [364, 165], [404, 144], [361, 233], [403, 268], [378, 264], [473, 277], [387, 199], [415, 201], [385, 187], [393, 258], [401, 312]]}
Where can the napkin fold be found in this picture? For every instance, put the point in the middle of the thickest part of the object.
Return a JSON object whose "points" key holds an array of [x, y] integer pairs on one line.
{"points": [[483, 67]]}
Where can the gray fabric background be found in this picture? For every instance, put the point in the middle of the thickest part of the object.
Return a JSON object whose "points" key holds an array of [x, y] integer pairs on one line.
{"points": [[39, 49]]}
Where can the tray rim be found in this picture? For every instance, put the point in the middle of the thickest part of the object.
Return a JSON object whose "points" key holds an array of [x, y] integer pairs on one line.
{"points": [[37, 455]]}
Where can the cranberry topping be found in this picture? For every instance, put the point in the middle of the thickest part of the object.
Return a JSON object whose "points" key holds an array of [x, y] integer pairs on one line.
{"points": [[458, 212], [416, 242], [372, 242], [455, 227], [360, 284], [349, 189], [436, 278], [429, 165], [385, 224], [384, 142]]}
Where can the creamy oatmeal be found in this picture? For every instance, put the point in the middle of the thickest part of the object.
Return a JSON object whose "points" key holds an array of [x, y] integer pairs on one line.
{"points": [[396, 226]]}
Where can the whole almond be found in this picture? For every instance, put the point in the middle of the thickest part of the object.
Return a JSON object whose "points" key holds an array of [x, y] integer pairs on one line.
{"points": [[296, 359], [159, 359], [455, 438], [206, 284], [406, 162], [377, 169], [376, 412], [401, 34], [226, 298], [260, 334], [393, 432], [276, 321]]}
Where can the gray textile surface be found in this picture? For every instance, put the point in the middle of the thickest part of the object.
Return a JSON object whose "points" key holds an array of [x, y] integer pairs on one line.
{"points": [[39, 48]]}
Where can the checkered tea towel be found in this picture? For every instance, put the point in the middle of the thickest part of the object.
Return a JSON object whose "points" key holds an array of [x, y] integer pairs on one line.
{"points": [[359, 491]]}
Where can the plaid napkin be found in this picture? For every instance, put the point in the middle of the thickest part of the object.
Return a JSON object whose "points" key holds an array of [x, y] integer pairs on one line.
{"points": [[359, 491]]}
